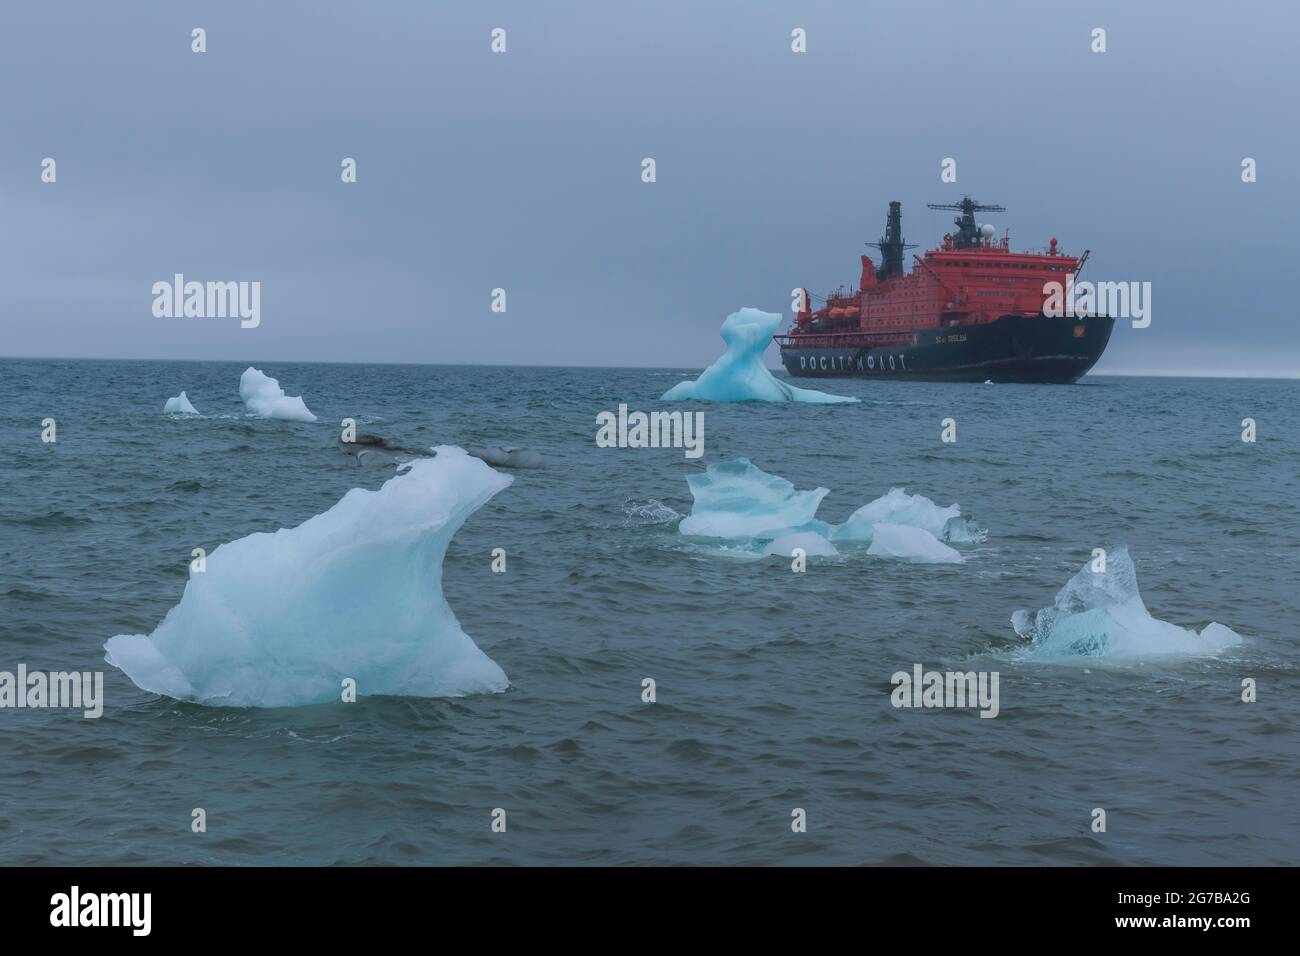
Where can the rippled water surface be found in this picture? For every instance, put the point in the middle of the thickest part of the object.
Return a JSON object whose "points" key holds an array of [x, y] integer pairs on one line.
{"points": [[773, 687]]}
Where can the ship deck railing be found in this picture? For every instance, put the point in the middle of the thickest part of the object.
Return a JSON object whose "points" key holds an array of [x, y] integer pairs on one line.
{"points": [[831, 340]]}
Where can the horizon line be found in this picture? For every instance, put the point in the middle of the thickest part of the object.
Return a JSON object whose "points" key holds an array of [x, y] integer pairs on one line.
{"points": [[1116, 373]]}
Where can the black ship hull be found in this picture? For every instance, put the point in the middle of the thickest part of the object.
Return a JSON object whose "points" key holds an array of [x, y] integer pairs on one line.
{"points": [[1012, 348]]}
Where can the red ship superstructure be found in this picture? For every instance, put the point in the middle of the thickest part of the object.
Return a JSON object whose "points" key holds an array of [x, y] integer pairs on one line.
{"points": [[971, 309]]}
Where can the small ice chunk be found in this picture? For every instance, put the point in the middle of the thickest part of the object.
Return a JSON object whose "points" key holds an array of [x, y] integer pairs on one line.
{"points": [[1101, 614], [179, 405], [962, 530], [812, 543], [917, 511], [264, 397], [736, 499], [911, 544]]}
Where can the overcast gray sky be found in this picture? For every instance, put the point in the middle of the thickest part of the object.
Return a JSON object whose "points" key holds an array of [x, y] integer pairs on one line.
{"points": [[522, 170]]}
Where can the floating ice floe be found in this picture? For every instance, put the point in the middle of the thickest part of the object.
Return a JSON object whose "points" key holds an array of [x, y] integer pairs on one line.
{"points": [[737, 501], [1100, 614], [283, 619], [911, 544], [179, 405], [740, 375], [264, 397], [811, 543], [897, 507]]}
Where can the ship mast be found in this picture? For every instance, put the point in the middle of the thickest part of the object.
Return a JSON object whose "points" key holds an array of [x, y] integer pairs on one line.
{"points": [[891, 245], [968, 233]]}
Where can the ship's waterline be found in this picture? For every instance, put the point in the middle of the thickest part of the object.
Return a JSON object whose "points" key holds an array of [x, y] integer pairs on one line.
{"points": [[1010, 349]]}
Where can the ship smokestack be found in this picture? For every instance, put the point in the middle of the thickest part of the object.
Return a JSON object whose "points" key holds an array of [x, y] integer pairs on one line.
{"points": [[891, 246]]}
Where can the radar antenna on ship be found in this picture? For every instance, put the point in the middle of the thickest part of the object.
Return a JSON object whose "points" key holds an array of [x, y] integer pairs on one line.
{"points": [[968, 233]]}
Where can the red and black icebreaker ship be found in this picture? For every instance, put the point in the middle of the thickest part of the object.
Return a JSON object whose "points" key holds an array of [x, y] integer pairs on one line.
{"points": [[971, 310]]}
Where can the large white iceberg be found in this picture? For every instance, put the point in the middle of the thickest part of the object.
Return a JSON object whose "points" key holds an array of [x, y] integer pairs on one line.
{"points": [[1100, 614], [736, 499], [356, 592], [916, 511], [740, 375], [179, 405], [264, 396]]}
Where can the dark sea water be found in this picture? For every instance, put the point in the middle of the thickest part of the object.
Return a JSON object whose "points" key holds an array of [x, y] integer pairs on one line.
{"points": [[773, 687]]}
